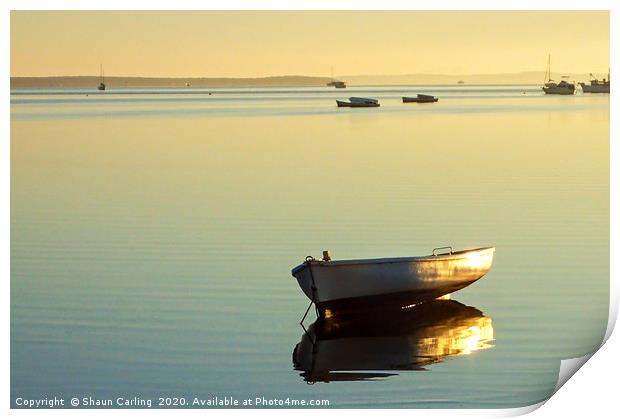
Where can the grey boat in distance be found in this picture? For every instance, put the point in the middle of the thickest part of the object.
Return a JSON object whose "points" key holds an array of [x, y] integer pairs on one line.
{"points": [[337, 286], [420, 99], [550, 87], [596, 85], [338, 84]]}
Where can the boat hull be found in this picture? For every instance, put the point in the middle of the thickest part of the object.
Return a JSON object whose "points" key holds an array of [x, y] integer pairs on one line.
{"points": [[337, 84], [593, 88], [419, 100], [337, 286], [343, 104], [555, 90]]}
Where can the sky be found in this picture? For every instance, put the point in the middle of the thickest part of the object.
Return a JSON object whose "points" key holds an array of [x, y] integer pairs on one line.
{"points": [[312, 43]]}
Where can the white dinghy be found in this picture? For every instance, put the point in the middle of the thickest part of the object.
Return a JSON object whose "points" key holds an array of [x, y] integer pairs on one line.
{"points": [[342, 285], [358, 102]]}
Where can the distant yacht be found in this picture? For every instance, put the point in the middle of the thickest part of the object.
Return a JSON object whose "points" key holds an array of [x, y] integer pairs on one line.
{"points": [[596, 85], [460, 82], [561, 88], [102, 83], [552, 88], [336, 83]]}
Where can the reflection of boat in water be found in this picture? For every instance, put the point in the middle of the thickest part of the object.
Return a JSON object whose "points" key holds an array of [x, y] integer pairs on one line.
{"points": [[370, 347], [420, 99], [336, 286], [358, 102], [596, 85]]}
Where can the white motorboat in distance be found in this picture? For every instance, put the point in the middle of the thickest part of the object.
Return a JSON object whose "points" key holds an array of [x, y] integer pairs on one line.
{"points": [[344, 285], [420, 99], [358, 102]]}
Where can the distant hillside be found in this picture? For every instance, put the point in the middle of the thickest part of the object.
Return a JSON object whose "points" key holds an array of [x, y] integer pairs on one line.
{"points": [[93, 81], [531, 77]]}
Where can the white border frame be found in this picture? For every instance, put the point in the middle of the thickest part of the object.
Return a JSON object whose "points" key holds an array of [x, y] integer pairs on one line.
{"points": [[592, 391]]}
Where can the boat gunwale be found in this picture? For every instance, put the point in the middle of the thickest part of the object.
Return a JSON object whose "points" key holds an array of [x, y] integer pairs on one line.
{"points": [[459, 254]]}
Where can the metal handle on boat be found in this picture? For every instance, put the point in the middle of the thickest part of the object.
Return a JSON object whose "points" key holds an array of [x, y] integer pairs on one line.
{"points": [[439, 248]]}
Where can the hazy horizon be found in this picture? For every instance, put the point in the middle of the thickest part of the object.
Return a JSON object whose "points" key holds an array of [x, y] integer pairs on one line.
{"points": [[523, 78], [252, 44], [163, 76]]}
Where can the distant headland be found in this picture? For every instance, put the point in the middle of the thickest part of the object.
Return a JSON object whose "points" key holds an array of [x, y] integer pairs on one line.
{"points": [[116, 81]]}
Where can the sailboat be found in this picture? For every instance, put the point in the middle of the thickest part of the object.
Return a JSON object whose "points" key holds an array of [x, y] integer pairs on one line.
{"points": [[552, 88], [336, 83], [596, 85], [101, 84]]}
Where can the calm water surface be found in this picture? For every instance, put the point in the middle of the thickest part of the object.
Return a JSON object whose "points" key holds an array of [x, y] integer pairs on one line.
{"points": [[153, 232]]}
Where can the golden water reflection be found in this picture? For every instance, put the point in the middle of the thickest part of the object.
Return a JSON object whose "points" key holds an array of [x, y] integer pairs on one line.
{"points": [[365, 347]]}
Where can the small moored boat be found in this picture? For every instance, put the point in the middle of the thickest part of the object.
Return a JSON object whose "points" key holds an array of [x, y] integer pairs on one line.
{"points": [[564, 87], [420, 99], [358, 102], [341, 285], [338, 84], [596, 85], [102, 82]]}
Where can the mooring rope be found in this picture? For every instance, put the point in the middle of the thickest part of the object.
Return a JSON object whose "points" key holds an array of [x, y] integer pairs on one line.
{"points": [[313, 298]]}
